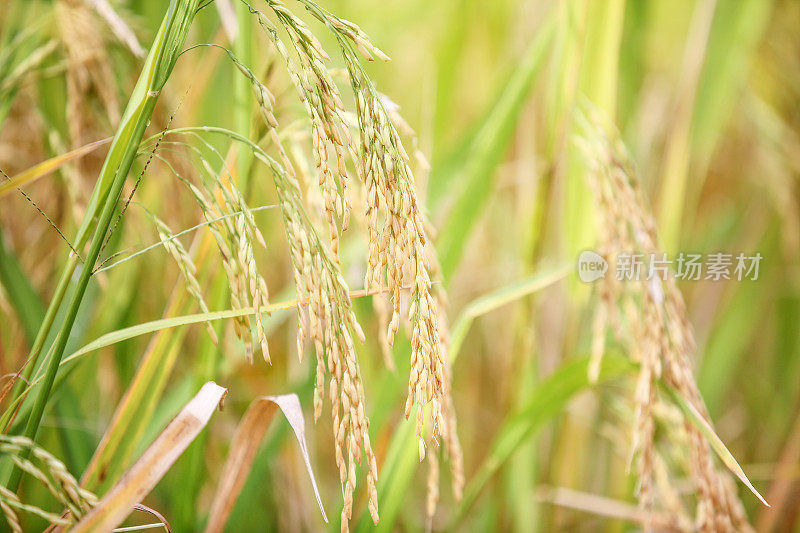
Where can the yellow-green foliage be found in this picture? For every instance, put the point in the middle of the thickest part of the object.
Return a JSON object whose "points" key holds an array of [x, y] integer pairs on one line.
{"points": [[166, 214]]}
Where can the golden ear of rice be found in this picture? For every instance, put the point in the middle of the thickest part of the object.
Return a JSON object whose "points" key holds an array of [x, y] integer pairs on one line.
{"points": [[659, 334], [186, 266], [397, 240], [53, 475]]}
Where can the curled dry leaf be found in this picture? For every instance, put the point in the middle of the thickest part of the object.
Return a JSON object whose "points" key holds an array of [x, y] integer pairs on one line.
{"points": [[162, 523], [244, 446], [154, 463]]}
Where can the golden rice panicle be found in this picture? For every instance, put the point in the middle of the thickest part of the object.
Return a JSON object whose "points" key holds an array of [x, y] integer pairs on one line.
{"points": [[659, 334], [264, 97], [450, 436], [233, 227], [397, 240], [381, 307], [397, 245], [246, 231], [53, 475], [323, 104], [622, 225], [331, 323], [452, 447], [236, 269], [88, 68], [450, 433], [220, 230], [325, 314], [186, 266]]}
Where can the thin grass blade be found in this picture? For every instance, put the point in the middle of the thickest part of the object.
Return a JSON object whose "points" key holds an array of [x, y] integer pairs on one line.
{"points": [[26, 177]]}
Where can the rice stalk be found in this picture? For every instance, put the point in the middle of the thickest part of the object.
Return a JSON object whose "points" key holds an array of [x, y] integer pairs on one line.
{"points": [[234, 237], [102, 204], [52, 474], [650, 316], [186, 266], [324, 298], [396, 246]]}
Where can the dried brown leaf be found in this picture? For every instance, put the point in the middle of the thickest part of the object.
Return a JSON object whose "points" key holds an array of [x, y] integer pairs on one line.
{"points": [[154, 463], [244, 446]]}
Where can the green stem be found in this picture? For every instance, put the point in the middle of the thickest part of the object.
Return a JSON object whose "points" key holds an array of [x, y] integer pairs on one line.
{"points": [[156, 71], [83, 281]]}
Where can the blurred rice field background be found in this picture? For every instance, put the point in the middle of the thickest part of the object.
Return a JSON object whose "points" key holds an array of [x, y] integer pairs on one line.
{"points": [[704, 96]]}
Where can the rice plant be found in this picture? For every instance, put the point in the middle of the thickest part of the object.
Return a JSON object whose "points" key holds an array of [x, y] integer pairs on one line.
{"points": [[536, 272]]}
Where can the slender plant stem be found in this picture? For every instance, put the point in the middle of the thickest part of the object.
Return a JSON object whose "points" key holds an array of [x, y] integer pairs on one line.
{"points": [[155, 73], [83, 281]]}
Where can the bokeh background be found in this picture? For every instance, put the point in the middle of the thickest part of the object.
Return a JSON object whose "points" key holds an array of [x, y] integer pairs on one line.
{"points": [[705, 95]]}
